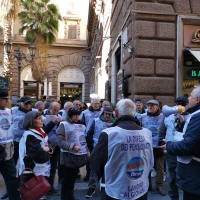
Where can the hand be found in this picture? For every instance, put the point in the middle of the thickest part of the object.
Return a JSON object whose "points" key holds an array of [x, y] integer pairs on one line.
{"points": [[164, 146], [76, 148], [57, 120], [181, 118], [46, 148]]}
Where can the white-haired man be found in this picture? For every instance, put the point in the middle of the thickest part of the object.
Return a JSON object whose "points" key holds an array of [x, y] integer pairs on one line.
{"points": [[123, 156], [65, 110], [188, 151]]}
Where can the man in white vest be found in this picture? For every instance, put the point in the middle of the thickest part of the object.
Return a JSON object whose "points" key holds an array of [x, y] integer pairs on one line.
{"points": [[188, 150], [152, 120], [123, 156], [94, 111], [7, 165]]}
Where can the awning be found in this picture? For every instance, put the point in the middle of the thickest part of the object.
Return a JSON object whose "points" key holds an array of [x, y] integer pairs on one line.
{"points": [[196, 54]]}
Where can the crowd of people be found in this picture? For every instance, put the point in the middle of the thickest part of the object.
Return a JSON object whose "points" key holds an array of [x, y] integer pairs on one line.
{"points": [[120, 147]]}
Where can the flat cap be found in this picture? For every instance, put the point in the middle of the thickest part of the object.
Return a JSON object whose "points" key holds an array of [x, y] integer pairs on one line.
{"points": [[155, 102]]}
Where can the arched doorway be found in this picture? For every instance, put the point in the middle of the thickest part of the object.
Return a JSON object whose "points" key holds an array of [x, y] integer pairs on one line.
{"points": [[71, 84]]}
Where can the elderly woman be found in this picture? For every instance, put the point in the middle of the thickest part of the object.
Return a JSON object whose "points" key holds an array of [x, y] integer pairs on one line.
{"points": [[71, 140], [34, 150]]}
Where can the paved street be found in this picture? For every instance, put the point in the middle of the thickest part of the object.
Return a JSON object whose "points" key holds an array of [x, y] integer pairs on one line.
{"points": [[81, 188]]}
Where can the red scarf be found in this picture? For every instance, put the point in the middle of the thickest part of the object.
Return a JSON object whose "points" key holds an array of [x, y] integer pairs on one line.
{"points": [[40, 130]]}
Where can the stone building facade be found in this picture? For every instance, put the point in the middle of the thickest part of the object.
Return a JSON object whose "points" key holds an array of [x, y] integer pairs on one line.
{"points": [[153, 42], [68, 71]]}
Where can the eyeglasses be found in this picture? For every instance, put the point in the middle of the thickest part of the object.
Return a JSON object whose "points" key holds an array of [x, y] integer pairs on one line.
{"points": [[78, 104]]}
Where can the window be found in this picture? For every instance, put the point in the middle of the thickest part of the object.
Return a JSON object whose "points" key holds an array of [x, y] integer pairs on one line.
{"points": [[72, 7], [72, 31]]}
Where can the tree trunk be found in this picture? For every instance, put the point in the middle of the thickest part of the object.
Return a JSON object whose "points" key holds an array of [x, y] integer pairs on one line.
{"points": [[40, 60], [7, 36]]}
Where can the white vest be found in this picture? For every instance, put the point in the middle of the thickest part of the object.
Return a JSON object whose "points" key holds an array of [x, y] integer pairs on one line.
{"points": [[153, 124], [39, 169], [130, 159], [99, 126], [187, 159], [52, 135], [170, 126], [89, 117], [5, 126], [75, 133]]}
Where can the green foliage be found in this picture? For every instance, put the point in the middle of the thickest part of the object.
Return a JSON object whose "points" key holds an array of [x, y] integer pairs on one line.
{"points": [[39, 17]]}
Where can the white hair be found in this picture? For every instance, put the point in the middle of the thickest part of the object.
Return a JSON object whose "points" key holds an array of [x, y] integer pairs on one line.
{"points": [[126, 107], [67, 104], [196, 91], [94, 100]]}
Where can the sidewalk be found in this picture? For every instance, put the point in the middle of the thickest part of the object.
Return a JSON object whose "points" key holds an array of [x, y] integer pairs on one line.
{"points": [[81, 188]]}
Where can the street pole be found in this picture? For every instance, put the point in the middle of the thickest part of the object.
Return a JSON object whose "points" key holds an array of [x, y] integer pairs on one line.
{"points": [[19, 78]]}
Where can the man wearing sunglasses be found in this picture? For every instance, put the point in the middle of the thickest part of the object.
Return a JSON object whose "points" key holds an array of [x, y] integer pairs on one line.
{"points": [[18, 114]]}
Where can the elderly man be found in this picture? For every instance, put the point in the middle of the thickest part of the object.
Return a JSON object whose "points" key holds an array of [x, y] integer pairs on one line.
{"points": [[52, 116], [65, 110], [39, 105], [123, 156], [152, 120], [7, 165], [18, 114], [188, 151], [139, 108], [168, 126], [88, 116], [105, 120]]}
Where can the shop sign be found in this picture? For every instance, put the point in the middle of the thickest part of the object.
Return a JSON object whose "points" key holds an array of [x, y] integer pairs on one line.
{"points": [[196, 36], [194, 73], [4, 83]]}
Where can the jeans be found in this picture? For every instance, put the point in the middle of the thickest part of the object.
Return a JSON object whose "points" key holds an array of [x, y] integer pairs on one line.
{"points": [[104, 196], [54, 162], [171, 164], [68, 180], [16, 152], [8, 171]]}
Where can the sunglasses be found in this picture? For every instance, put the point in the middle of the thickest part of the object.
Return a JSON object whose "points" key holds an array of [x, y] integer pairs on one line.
{"points": [[28, 103], [78, 104]]}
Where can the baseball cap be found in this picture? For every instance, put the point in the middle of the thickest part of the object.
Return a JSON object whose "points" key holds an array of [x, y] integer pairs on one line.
{"points": [[25, 99], [155, 102], [108, 109], [3, 95], [182, 98]]}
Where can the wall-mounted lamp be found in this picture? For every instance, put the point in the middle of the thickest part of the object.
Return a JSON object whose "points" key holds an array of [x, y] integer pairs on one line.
{"points": [[127, 46]]}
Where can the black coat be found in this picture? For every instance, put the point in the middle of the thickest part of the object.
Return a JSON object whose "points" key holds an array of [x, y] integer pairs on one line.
{"points": [[188, 175]]}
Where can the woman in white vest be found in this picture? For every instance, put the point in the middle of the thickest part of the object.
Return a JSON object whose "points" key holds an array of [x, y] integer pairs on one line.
{"points": [[71, 140], [34, 150]]}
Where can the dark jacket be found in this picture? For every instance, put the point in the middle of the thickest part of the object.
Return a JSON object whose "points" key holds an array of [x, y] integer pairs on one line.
{"points": [[35, 152], [99, 155], [188, 175]]}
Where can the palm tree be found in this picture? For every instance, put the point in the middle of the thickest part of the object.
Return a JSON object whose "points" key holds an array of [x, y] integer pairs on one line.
{"points": [[8, 12], [39, 20]]}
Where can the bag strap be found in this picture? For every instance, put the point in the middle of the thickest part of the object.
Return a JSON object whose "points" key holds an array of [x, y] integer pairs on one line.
{"points": [[21, 176]]}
